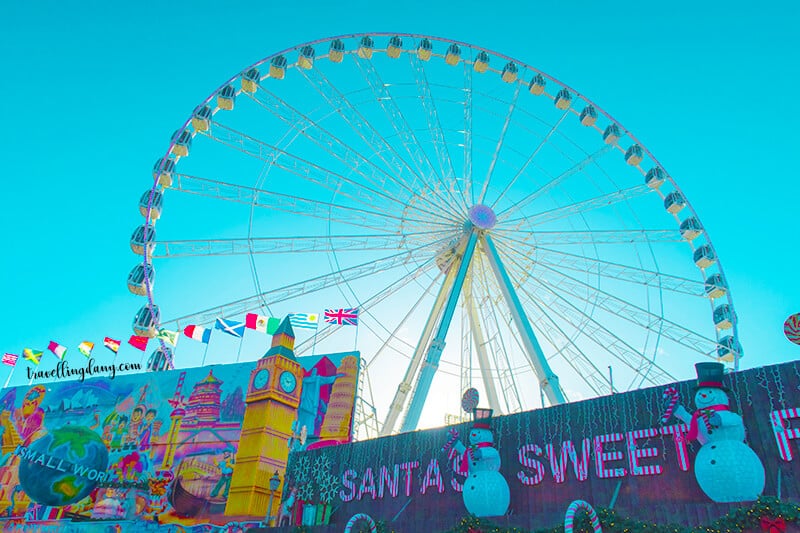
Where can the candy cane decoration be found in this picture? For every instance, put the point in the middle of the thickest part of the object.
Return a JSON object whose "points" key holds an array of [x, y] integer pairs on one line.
{"points": [[704, 415], [452, 440], [570, 516], [672, 394], [361, 516]]}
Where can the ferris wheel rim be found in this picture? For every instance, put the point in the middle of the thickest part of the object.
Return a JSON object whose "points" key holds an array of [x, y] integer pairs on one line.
{"points": [[146, 255]]}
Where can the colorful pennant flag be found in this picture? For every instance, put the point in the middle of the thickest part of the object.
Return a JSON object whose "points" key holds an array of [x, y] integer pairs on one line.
{"points": [[304, 320], [111, 344], [170, 337], [198, 333], [230, 327], [10, 359], [86, 348], [342, 317], [140, 343], [264, 324], [57, 349], [34, 356]]}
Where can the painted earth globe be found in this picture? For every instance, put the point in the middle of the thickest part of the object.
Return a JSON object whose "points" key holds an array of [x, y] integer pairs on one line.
{"points": [[62, 467]]}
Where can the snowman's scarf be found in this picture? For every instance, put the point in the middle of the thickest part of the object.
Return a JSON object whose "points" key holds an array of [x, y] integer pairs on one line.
{"points": [[693, 426], [469, 452]]}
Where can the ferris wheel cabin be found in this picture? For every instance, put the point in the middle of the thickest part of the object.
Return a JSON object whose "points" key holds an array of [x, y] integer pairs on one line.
{"points": [[481, 63], [424, 49], [453, 55], [674, 202], [277, 68], [162, 171], [612, 134], [306, 59], [146, 321], [365, 47], [634, 155], [201, 119], [143, 235], [226, 97], [537, 85], [729, 349], [723, 317], [250, 80], [136, 279], [690, 229], [183, 144], [716, 286], [159, 359], [336, 51], [563, 100], [155, 205], [395, 47], [510, 72], [655, 178], [704, 256], [588, 116]]}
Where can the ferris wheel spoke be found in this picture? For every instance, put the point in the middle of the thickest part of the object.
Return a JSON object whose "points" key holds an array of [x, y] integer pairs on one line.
{"points": [[479, 340], [633, 313], [435, 127], [293, 244], [306, 170], [470, 187], [592, 237], [590, 328], [318, 283], [530, 159], [296, 205], [569, 352], [584, 206], [367, 305], [575, 169], [383, 149], [505, 373], [607, 269], [348, 156], [500, 140], [404, 131]]}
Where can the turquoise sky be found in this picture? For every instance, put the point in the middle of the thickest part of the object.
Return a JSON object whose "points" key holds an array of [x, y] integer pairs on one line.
{"points": [[92, 92]]}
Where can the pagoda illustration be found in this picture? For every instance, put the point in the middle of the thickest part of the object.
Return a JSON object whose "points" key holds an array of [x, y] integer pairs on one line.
{"points": [[272, 398]]}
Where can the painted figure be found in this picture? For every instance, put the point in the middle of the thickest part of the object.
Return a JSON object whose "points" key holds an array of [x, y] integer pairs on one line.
{"points": [[226, 472], [147, 430], [486, 491], [29, 419], [118, 434], [726, 469], [134, 426]]}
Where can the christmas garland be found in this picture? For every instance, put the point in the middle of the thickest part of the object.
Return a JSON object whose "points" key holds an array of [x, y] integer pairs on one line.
{"points": [[769, 514]]}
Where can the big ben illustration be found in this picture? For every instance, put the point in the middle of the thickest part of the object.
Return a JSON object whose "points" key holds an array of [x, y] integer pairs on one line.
{"points": [[273, 395]]}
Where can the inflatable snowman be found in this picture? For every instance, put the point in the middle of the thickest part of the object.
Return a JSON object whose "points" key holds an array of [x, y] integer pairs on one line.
{"points": [[485, 489], [726, 469]]}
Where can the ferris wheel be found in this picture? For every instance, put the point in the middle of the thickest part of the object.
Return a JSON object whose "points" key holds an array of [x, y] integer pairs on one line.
{"points": [[494, 227]]}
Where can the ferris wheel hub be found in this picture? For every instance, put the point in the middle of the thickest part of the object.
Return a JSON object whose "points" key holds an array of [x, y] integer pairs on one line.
{"points": [[482, 216]]}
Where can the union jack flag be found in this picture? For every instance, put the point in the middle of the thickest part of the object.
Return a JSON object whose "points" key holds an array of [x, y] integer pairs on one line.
{"points": [[342, 317]]}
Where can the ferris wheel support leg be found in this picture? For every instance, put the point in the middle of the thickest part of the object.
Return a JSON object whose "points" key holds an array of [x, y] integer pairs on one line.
{"points": [[431, 364], [548, 381], [480, 347], [404, 388]]}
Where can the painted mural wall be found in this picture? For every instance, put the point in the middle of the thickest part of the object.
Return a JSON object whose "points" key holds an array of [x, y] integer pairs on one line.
{"points": [[690, 464], [159, 447]]}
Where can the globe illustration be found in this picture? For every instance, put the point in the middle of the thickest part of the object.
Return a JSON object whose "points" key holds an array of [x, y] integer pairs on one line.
{"points": [[62, 466]]}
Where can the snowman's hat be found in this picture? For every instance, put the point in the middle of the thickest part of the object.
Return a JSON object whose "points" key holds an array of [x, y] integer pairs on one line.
{"points": [[481, 418], [710, 375]]}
